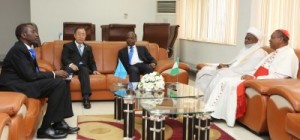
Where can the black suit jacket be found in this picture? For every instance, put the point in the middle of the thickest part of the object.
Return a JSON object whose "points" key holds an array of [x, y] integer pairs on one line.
{"points": [[70, 54], [18, 71], [143, 53]]}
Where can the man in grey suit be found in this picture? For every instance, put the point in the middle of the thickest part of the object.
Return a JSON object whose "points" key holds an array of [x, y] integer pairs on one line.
{"points": [[77, 57]]}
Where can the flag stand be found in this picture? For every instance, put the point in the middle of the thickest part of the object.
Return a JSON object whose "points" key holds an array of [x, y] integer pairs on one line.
{"points": [[175, 70]]}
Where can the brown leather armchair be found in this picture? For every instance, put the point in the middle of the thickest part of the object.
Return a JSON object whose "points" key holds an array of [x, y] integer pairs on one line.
{"points": [[257, 98], [172, 39], [283, 111], [13, 104], [163, 34], [69, 27], [25, 114], [116, 32], [157, 33]]}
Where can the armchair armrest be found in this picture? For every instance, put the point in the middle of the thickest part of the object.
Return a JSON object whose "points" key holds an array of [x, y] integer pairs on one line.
{"points": [[163, 65], [44, 65], [264, 85], [201, 65], [11, 102], [289, 92]]}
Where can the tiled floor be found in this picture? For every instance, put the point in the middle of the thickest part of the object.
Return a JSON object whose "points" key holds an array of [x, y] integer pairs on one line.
{"points": [[99, 108]]}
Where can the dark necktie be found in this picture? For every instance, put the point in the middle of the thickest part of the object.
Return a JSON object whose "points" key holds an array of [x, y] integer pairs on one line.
{"points": [[33, 56], [130, 53]]}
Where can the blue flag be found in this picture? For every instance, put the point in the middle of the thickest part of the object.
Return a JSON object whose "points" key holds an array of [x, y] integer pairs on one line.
{"points": [[120, 70]]}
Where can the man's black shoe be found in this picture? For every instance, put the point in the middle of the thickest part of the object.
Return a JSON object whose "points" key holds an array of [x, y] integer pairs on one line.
{"points": [[86, 103], [63, 126], [51, 133]]}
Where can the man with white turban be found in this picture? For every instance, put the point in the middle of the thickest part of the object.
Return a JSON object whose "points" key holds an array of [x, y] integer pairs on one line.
{"points": [[244, 63]]}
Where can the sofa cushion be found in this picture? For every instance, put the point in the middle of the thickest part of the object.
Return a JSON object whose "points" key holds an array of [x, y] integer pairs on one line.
{"points": [[110, 56], [97, 82]]}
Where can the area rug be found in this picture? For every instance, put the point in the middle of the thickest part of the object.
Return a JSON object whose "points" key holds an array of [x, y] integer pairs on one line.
{"points": [[104, 127]]}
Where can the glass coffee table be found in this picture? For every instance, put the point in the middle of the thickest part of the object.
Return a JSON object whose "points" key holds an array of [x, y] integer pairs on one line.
{"points": [[196, 119], [156, 105]]}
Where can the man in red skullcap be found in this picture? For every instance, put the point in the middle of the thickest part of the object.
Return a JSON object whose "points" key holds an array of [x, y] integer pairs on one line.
{"points": [[227, 100]]}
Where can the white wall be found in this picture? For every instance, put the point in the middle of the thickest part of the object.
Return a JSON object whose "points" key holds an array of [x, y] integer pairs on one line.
{"points": [[199, 52], [12, 13], [49, 15]]}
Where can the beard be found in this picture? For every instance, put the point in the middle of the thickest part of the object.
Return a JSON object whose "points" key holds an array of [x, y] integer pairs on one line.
{"points": [[249, 45]]}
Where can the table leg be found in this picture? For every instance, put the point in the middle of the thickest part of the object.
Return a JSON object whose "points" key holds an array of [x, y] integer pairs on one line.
{"points": [[188, 126], [128, 107], [157, 128], [145, 123], [118, 115], [202, 126]]}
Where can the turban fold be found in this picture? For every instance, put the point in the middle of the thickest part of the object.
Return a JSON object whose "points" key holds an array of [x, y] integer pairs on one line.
{"points": [[255, 32]]}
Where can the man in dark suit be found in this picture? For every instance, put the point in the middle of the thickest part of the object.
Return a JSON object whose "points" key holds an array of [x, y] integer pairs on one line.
{"points": [[136, 59], [20, 73], [77, 57]]}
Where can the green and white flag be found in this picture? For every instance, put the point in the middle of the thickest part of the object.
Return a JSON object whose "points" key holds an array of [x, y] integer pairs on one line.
{"points": [[175, 69]]}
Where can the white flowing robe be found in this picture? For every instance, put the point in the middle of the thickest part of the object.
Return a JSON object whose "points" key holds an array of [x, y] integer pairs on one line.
{"points": [[282, 63], [244, 63]]}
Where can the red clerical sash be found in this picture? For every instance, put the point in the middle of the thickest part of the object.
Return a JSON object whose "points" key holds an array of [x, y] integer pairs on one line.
{"points": [[241, 98]]}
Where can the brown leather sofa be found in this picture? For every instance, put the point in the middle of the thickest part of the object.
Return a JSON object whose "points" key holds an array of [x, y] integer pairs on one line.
{"points": [[105, 55], [25, 114]]}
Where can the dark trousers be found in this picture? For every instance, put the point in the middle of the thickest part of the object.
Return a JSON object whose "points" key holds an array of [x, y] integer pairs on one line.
{"points": [[84, 79], [59, 100], [136, 70]]}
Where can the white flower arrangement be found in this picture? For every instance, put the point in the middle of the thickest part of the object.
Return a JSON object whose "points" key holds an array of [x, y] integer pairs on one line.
{"points": [[152, 82]]}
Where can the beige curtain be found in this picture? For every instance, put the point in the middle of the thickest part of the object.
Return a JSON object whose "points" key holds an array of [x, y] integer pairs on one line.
{"points": [[208, 20], [270, 15]]}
